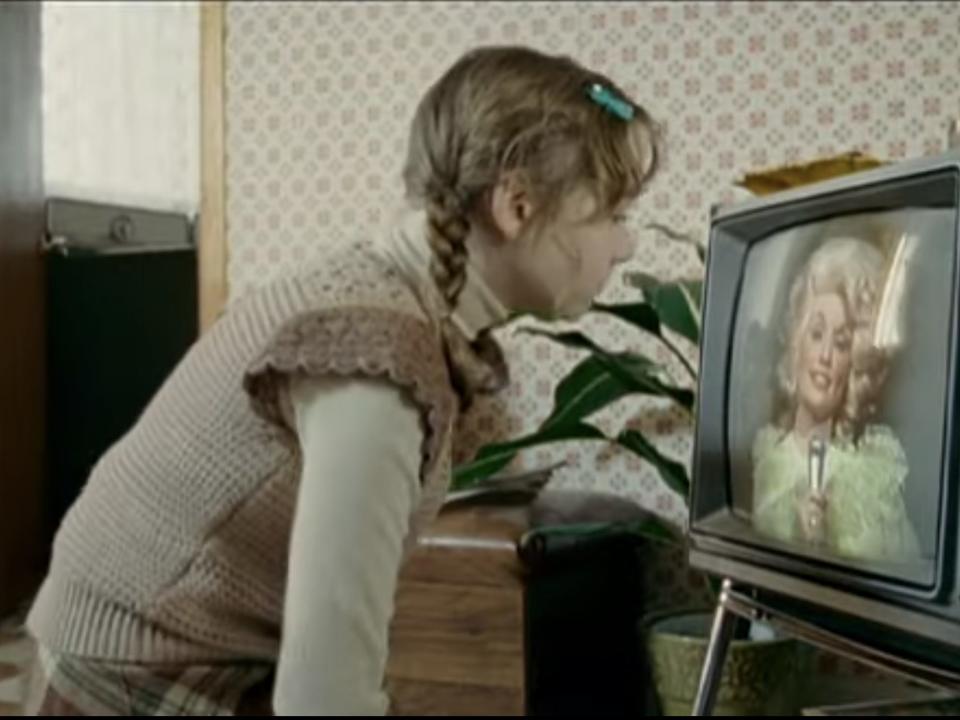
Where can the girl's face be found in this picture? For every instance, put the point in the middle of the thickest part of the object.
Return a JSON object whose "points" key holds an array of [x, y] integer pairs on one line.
{"points": [[824, 352], [570, 259]]}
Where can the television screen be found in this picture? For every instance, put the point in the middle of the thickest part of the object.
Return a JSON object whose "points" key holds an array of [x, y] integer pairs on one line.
{"points": [[837, 387]]}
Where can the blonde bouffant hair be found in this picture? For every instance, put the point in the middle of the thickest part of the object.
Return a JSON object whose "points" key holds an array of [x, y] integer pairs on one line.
{"points": [[855, 270], [507, 108]]}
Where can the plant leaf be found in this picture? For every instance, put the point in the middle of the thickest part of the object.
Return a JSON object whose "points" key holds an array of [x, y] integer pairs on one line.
{"points": [[587, 388], [644, 282], [645, 316], [673, 307], [643, 379], [673, 473], [636, 371], [575, 340], [582, 342], [694, 291], [491, 459], [642, 315], [676, 303]]}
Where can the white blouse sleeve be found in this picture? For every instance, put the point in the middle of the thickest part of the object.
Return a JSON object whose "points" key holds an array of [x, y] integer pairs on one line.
{"points": [[360, 442]]}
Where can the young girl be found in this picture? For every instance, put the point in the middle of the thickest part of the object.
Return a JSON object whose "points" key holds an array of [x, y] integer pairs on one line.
{"points": [[241, 544]]}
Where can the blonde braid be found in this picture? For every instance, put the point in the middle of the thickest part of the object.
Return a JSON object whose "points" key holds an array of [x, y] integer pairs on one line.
{"points": [[478, 366], [447, 230]]}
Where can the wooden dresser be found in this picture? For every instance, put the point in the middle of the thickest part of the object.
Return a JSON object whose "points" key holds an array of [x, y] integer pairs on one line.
{"points": [[457, 638]]}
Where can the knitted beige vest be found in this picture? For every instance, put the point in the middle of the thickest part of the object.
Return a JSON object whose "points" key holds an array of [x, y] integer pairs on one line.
{"points": [[177, 548]]}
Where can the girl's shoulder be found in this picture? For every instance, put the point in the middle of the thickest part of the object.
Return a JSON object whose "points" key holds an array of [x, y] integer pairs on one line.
{"points": [[355, 273], [344, 275]]}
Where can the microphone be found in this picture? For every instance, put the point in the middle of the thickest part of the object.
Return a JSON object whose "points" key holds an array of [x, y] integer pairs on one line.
{"points": [[816, 463]]}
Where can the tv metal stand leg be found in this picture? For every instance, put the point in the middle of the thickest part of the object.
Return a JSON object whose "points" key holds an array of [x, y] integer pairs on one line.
{"points": [[720, 635]]}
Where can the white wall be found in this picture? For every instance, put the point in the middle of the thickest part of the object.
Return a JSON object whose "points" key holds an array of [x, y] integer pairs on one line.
{"points": [[121, 102]]}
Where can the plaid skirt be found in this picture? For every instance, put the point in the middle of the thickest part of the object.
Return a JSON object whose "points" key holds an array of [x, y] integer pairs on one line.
{"points": [[66, 685]]}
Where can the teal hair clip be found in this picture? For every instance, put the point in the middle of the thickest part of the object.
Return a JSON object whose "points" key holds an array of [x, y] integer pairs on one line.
{"points": [[610, 101]]}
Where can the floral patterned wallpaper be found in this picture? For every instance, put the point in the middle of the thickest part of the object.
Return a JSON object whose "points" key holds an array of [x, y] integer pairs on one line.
{"points": [[319, 96]]}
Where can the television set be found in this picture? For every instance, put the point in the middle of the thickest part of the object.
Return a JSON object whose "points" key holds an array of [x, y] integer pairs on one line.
{"points": [[826, 472]]}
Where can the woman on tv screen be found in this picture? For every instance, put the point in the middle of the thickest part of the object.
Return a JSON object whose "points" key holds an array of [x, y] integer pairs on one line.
{"points": [[825, 472]]}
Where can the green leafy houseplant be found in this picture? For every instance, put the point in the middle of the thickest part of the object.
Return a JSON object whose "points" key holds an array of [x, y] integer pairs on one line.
{"points": [[667, 311]]}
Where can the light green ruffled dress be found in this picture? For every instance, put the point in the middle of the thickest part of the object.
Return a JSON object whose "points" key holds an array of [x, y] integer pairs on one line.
{"points": [[866, 516]]}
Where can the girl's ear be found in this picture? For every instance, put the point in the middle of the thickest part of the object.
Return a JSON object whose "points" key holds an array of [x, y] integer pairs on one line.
{"points": [[510, 205]]}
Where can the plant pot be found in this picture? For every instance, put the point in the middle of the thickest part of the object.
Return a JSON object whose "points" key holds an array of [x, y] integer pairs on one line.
{"points": [[760, 677]]}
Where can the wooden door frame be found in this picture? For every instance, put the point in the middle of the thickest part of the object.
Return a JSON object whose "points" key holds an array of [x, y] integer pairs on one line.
{"points": [[212, 240]]}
